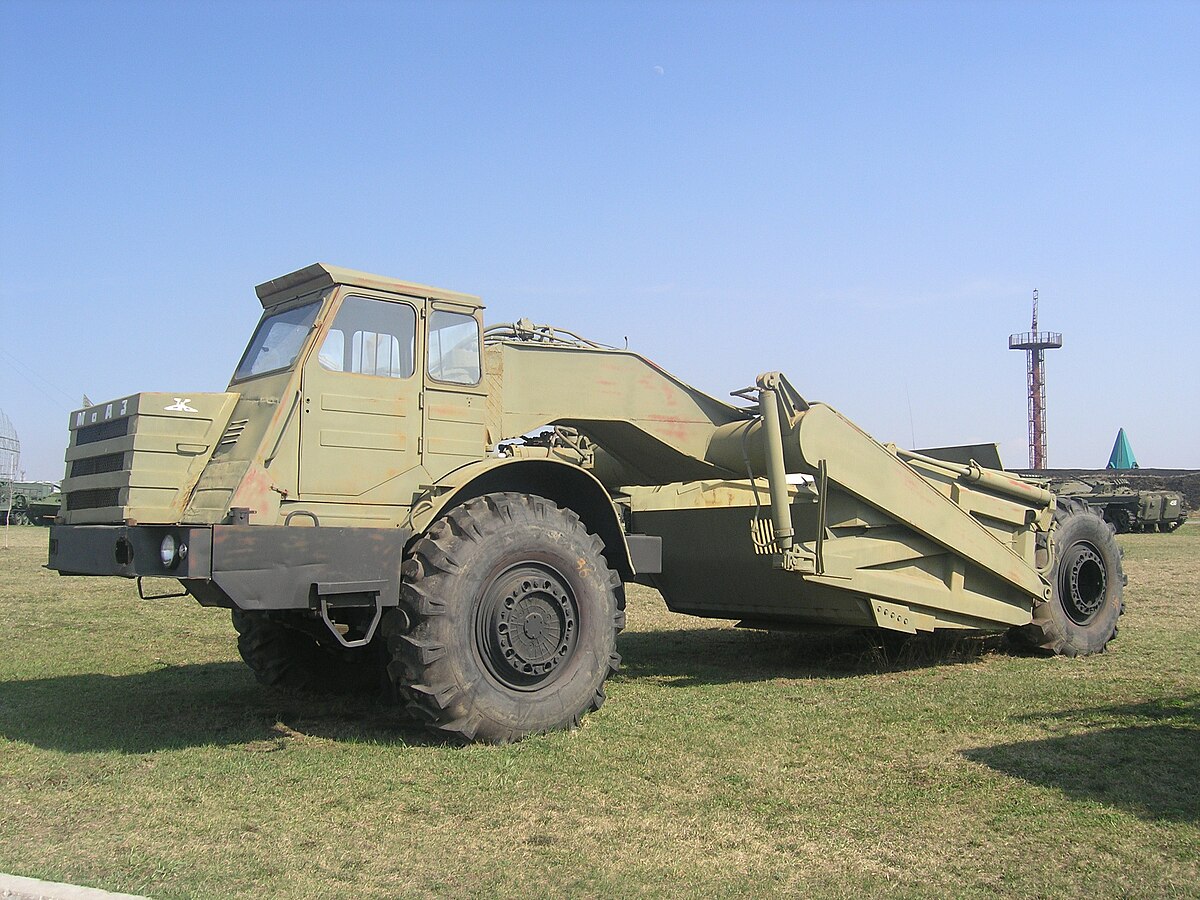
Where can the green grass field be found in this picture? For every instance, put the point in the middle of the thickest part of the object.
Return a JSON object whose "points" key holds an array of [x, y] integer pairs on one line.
{"points": [[138, 754]]}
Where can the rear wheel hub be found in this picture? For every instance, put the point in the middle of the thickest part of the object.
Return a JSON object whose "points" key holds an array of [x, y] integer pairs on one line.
{"points": [[1083, 583]]}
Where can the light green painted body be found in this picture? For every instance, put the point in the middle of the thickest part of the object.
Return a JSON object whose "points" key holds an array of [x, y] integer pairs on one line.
{"points": [[878, 537]]}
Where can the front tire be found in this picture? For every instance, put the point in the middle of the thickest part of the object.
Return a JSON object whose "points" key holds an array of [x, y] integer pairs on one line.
{"points": [[1087, 586], [286, 655], [514, 615]]}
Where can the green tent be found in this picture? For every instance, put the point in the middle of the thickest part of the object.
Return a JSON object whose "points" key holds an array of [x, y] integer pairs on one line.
{"points": [[1122, 454]]}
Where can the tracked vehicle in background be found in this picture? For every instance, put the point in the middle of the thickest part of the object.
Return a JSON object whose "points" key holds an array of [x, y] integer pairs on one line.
{"points": [[389, 492], [1124, 506]]}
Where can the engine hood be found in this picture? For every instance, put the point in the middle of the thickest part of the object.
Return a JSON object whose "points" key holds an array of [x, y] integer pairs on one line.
{"points": [[136, 459]]}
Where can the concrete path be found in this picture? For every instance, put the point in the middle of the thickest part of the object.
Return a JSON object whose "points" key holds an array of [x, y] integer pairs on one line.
{"points": [[14, 887]]}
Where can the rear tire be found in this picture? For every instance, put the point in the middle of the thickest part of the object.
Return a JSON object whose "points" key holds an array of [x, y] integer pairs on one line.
{"points": [[1087, 586], [289, 658], [514, 616]]}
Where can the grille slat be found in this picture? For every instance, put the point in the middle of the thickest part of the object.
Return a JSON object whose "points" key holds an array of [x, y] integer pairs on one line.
{"points": [[95, 498], [101, 431], [98, 465]]}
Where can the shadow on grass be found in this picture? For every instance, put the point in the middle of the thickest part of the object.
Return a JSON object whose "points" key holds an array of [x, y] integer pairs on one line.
{"points": [[1143, 757], [186, 706], [693, 656]]}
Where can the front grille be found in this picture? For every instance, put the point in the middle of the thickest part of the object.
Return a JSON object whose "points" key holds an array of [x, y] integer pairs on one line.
{"points": [[102, 431], [96, 498], [98, 465]]}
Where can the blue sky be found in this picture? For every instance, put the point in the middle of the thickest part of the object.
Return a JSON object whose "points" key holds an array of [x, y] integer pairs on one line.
{"points": [[863, 195]]}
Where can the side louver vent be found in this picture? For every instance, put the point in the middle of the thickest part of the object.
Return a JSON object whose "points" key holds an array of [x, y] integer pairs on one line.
{"points": [[233, 432]]}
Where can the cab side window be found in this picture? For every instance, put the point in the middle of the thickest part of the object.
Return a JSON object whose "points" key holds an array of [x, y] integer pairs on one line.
{"points": [[453, 347], [371, 337]]}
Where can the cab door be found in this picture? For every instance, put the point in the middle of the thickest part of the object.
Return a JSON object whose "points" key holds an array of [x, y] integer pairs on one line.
{"points": [[455, 402], [360, 417]]}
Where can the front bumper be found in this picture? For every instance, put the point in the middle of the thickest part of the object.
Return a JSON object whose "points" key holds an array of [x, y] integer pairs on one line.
{"points": [[250, 566], [128, 550]]}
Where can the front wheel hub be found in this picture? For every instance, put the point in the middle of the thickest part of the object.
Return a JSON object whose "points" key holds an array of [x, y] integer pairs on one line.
{"points": [[527, 625]]}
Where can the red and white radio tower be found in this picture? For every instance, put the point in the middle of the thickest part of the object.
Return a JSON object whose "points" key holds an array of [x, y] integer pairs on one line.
{"points": [[1035, 343]]}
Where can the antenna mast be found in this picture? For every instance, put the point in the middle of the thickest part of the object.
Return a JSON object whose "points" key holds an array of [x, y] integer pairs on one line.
{"points": [[10, 463]]}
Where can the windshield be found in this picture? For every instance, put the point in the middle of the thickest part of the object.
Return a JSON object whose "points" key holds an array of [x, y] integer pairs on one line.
{"points": [[277, 341]]}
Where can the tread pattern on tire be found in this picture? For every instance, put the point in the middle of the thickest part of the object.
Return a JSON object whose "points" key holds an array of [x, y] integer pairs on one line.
{"points": [[1048, 631], [426, 677]]}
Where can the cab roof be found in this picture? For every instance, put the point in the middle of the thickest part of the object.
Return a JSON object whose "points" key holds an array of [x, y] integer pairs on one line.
{"points": [[319, 276]]}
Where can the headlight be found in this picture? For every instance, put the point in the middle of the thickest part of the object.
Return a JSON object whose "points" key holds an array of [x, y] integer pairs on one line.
{"points": [[171, 551]]}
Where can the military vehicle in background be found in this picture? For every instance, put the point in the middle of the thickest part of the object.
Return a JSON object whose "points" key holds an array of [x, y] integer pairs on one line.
{"points": [[388, 492], [44, 510], [24, 495], [1124, 506]]}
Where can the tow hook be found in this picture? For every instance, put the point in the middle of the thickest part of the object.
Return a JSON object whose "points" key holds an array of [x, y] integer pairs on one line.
{"points": [[361, 598]]}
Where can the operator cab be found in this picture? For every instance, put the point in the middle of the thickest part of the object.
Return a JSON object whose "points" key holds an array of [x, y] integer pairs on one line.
{"points": [[387, 378]]}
